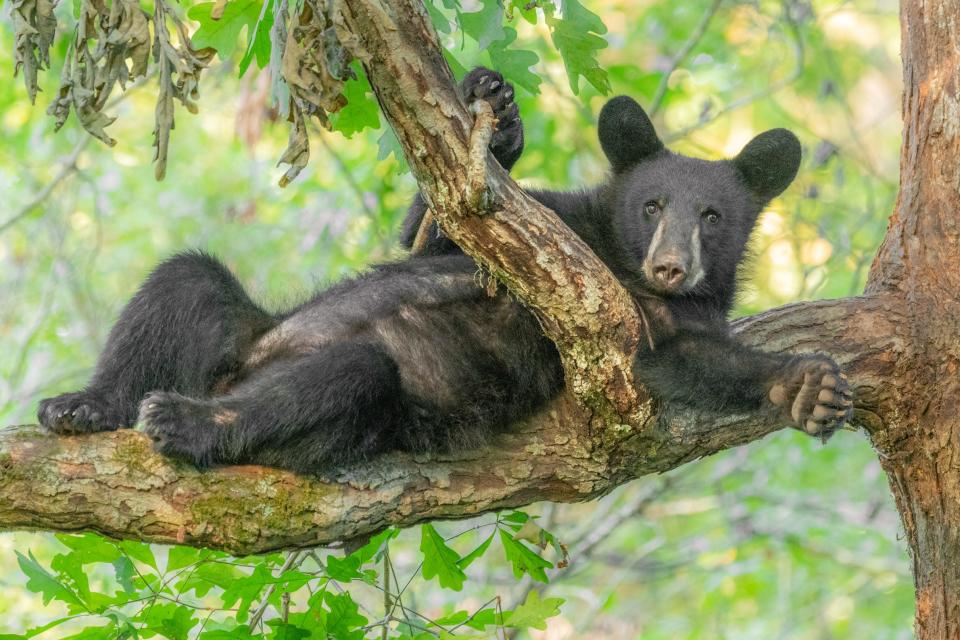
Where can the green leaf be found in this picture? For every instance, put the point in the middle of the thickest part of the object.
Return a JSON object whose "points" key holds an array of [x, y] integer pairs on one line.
{"points": [[440, 21], [39, 580], [533, 612], [123, 569], [478, 620], [484, 26], [455, 65], [258, 45], [344, 622], [315, 619], [361, 110], [248, 588], [439, 560], [388, 144], [90, 547], [373, 548], [280, 630], [576, 35], [228, 630], [170, 620], [344, 569], [523, 559], [138, 551], [515, 64], [180, 557], [37, 630], [106, 632], [468, 559], [207, 576], [222, 34]]}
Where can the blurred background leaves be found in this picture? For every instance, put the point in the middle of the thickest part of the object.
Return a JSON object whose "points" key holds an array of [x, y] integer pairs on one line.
{"points": [[783, 538]]}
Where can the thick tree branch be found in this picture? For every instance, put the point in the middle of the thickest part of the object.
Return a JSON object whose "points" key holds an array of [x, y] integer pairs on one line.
{"points": [[115, 484]]}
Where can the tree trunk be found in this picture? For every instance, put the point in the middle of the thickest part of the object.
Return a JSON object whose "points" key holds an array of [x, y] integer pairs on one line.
{"points": [[919, 262], [900, 344]]}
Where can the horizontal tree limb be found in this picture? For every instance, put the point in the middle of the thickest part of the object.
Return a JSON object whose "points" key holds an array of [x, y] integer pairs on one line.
{"points": [[114, 484]]}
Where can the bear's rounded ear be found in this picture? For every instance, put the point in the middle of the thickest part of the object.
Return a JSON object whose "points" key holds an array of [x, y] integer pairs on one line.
{"points": [[769, 162], [626, 133]]}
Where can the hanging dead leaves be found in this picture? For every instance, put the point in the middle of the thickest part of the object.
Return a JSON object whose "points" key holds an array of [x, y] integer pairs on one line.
{"points": [[116, 42], [34, 27], [314, 66]]}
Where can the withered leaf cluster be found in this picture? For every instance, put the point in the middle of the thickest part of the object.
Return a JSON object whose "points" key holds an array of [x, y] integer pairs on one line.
{"points": [[314, 66], [116, 41], [112, 44], [34, 28]]}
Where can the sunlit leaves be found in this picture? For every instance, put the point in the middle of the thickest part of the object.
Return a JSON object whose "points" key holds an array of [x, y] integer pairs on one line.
{"points": [[194, 584], [523, 559], [576, 34], [534, 612], [515, 64], [41, 581], [222, 34], [168, 620], [486, 25], [439, 560], [361, 110]]}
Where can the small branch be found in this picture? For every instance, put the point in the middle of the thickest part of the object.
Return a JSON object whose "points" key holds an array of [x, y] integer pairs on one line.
{"points": [[423, 233], [796, 40], [292, 559], [387, 600], [478, 195], [695, 36], [68, 164]]}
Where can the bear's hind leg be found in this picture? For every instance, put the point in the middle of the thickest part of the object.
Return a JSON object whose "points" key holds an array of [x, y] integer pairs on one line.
{"points": [[188, 326], [337, 405]]}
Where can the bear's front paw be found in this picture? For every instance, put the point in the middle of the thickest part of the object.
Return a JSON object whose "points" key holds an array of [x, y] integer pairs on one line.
{"points": [[485, 84], [79, 412], [814, 396], [180, 427]]}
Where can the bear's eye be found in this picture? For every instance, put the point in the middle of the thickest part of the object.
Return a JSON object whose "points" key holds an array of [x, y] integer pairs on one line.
{"points": [[652, 208], [711, 216]]}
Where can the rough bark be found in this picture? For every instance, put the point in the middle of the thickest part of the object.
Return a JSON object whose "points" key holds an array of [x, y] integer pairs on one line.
{"points": [[919, 263], [900, 344], [113, 483]]}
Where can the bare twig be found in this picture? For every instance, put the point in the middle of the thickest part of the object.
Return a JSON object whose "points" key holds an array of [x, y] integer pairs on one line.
{"points": [[695, 36], [478, 194], [796, 40], [423, 232], [68, 165], [292, 558]]}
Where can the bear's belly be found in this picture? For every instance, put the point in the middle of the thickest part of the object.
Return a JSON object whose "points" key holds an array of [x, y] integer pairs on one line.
{"points": [[435, 326]]}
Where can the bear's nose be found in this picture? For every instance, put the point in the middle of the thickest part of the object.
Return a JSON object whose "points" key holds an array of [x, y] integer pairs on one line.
{"points": [[670, 275]]}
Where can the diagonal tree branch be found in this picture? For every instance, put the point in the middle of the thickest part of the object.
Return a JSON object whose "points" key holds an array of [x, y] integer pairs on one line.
{"points": [[581, 306]]}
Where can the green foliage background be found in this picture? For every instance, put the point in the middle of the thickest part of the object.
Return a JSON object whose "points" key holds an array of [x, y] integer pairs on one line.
{"points": [[780, 539]]}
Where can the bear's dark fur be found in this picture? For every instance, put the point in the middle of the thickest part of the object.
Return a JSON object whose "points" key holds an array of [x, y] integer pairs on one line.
{"points": [[414, 356]]}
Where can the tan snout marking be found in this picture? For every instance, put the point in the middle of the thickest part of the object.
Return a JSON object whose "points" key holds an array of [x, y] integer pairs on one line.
{"points": [[224, 417]]}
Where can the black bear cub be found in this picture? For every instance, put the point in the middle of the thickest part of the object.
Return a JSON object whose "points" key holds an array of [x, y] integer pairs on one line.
{"points": [[414, 356]]}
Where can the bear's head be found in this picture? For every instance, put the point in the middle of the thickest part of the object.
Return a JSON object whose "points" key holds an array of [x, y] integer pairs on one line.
{"points": [[681, 225]]}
